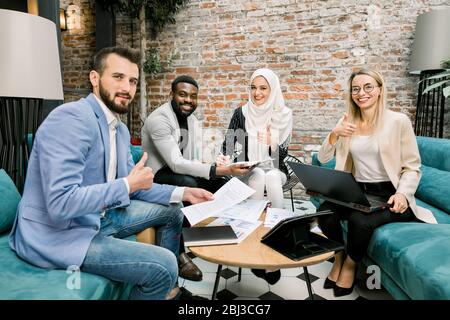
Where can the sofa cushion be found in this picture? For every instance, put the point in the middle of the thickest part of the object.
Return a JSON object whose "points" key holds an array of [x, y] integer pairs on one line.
{"points": [[416, 256], [441, 216], [434, 188], [9, 201], [315, 161], [434, 152], [21, 280]]}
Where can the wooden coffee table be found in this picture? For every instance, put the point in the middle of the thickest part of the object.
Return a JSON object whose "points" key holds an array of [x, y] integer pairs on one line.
{"points": [[251, 253]]}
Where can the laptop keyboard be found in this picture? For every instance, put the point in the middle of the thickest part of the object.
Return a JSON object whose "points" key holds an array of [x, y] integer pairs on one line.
{"points": [[376, 203]]}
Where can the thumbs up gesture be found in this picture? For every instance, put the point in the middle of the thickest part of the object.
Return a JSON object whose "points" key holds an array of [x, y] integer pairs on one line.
{"points": [[140, 177], [344, 128]]}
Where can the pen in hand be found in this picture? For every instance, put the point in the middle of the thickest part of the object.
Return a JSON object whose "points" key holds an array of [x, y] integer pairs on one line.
{"points": [[222, 160]]}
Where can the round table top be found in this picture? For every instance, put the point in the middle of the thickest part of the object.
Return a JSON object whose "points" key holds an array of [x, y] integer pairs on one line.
{"points": [[251, 253]]}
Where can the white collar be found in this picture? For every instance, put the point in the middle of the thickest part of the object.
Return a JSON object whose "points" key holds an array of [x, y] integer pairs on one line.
{"points": [[111, 117]]}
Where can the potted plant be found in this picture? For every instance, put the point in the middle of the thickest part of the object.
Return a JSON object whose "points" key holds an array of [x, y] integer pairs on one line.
{"points": [[444, 82], [153, 63]]}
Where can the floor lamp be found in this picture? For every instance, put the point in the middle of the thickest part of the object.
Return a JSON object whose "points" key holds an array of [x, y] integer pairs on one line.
{"points": [[431, 47], [30, 72]]}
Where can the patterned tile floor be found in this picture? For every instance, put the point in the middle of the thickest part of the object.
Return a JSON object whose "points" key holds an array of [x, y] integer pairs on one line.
{"points": [[291, 286]]}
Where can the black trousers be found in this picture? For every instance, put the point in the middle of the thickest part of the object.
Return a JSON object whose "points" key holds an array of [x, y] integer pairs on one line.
{"points": [[166, 176], [361, 225]]}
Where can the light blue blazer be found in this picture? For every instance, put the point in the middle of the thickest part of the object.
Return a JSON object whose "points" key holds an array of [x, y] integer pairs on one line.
{"points": [[66, 189]]}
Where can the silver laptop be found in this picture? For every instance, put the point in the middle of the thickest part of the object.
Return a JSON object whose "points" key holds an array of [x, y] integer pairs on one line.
{"points": [[336, 186]]}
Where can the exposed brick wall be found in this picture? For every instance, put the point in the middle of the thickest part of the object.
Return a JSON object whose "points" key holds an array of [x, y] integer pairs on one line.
{"points": [[312, 45], [78, 47]]}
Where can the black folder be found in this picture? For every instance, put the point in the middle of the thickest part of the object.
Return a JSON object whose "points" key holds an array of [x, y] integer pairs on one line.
{"points": [[209, 236], [292, 237]]}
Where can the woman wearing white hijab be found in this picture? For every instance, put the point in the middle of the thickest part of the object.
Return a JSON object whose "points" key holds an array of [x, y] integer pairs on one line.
{"points": [[258, 131]]}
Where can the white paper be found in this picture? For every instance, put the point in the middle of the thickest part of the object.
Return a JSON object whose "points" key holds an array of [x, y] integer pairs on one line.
{"points": [[316, 229], [248, 210], [275, 215], [241, 228], [231, 193]]}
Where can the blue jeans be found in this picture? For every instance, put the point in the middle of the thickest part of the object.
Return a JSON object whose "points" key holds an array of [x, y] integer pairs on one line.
{"points": [[152, 270]]}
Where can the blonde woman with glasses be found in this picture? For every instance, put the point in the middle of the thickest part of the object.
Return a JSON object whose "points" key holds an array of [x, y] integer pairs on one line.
{"points": [[379, 147]]}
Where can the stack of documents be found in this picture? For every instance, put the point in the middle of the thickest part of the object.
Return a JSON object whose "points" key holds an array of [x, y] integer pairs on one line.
{"points": [[248, 210], [232, 193], [241, 228], [231, 207]]}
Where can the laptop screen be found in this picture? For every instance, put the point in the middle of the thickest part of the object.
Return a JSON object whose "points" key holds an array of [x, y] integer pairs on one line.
{"points": [[330, 183]]}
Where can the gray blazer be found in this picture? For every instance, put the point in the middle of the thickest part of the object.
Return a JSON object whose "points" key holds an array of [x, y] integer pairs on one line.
{"points": [[161, 140]]}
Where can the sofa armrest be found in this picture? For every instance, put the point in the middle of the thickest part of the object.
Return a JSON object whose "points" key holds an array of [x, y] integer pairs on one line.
{"points": [[315, 161], [136, 153], [147, 236]]}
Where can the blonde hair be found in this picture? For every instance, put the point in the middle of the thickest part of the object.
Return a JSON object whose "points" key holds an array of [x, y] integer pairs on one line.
{"points": [[354, 112]]}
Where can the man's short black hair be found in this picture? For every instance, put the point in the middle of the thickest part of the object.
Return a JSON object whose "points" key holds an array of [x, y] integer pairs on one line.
{"points": [[185, 79], [100, 57]]}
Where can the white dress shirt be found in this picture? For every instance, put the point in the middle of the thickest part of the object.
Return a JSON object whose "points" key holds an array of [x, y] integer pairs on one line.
{"points": [[367, 160]]}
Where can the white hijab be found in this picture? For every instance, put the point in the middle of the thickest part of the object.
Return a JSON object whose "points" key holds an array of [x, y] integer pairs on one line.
{"points": [[273, 112]]}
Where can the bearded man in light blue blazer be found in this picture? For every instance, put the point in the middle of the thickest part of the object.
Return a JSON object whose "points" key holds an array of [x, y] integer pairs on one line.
{"points": [[83, 194]]}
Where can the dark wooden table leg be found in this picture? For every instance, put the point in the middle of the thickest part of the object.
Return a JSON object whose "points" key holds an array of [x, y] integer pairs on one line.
{"points": [[308, 283], [216, 282]]}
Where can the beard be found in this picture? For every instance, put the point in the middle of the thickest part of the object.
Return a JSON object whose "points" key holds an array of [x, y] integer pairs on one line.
{"points": [[177, 108], [114, 107]]}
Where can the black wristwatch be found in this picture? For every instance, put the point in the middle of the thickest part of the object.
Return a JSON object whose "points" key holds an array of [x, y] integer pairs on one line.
{"points": [[212, 171]]}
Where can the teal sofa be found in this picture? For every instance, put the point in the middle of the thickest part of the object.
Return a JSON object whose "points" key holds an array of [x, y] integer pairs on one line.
{"points": [[21, 280], [414, 258]]}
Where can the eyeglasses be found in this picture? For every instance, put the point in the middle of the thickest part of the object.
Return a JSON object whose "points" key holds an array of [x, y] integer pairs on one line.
{"points": [[368, 88]]}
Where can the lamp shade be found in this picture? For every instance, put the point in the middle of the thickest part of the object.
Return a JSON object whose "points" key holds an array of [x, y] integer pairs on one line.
{"points": [[29, 57], [431, 42]]}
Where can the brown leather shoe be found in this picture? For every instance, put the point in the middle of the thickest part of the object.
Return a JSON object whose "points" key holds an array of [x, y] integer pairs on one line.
{"points": [[187, 268]]}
